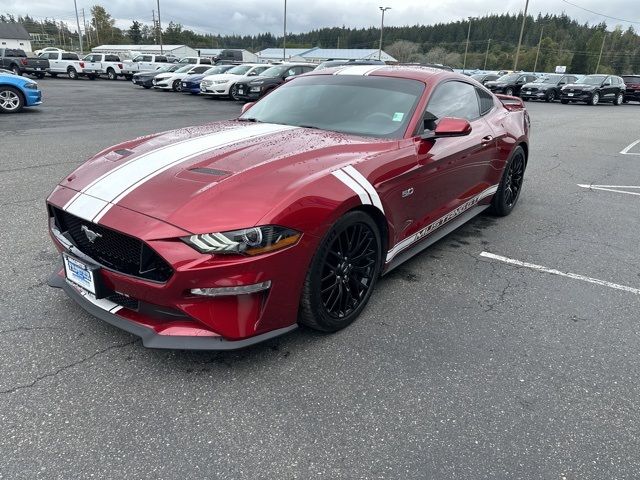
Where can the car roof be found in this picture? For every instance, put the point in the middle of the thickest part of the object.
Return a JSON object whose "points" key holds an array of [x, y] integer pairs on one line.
{"points": [[420, 73]]}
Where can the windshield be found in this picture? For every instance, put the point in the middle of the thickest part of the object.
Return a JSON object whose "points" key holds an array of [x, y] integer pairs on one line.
{"points": [[548, 79], [478, 76], [369, 106], [631, 79], [592, 80], [167, 68], [184, 69], [239, 70], [511, 77], [275, 71]]}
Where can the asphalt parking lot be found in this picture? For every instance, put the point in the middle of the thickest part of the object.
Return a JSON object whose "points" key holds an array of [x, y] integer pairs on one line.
{"points": [[462, 366]]}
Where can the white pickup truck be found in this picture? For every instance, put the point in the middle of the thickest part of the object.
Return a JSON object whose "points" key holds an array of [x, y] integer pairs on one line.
{"points": [[103, 64], [195, 61], [64, 63], [144, 63]]}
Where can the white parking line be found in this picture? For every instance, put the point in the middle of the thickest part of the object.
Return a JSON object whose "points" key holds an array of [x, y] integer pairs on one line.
{"points": [[626, 151], [612, 188], [552, 271]]}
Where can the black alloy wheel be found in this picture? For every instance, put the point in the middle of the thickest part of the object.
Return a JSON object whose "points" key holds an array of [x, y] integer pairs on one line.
{"points": [[177, 85], [551, 96], [510, 186], [342, 274]]}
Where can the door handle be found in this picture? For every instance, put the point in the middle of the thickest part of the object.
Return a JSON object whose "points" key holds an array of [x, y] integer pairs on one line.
{"points": [[486, 140]]}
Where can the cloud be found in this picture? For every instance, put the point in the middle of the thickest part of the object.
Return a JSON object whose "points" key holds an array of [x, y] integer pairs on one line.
{"points": [[259, 16]]}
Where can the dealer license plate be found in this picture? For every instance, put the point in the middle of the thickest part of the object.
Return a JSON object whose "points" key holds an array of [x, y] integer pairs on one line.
{"points": [[38, 68], [570, 94], [241, 91], [79, 273]]}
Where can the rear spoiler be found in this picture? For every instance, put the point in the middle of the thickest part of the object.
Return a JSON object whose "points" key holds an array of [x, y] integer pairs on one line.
{"points": [[511, 103]]}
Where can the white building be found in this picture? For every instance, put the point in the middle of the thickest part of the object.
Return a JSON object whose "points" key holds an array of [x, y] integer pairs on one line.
{"points": [[129, 51], [13, 35], [318, 54]]}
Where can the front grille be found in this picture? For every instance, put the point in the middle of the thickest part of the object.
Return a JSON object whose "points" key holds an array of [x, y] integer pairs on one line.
{"points": [[124, 301], [113, 249]]}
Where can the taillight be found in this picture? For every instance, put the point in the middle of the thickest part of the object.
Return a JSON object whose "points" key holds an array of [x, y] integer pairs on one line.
{"points": [[81, 64], [23, 61], [120, 66]]}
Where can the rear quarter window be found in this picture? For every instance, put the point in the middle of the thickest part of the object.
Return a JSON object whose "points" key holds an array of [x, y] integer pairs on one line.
{"points": [[111, 58], [69, 56]]}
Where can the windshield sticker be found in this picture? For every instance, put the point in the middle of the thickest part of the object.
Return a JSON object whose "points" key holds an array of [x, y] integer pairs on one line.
{"points": [[398, 116]]}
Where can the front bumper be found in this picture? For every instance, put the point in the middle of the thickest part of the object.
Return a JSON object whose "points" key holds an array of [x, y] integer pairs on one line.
{"points": [[193, 88], [526, 95], [32, 97], [142, 82], [580, 96], [632, 95], [220, 90], [170, 309], [109, 312], [247, 94]]}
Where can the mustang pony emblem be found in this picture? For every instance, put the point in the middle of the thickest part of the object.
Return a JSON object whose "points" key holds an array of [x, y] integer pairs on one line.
{"points": [[91, 235]]}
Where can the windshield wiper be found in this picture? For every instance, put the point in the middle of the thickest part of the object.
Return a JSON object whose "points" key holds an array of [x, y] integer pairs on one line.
{"points": [[248, 119]]}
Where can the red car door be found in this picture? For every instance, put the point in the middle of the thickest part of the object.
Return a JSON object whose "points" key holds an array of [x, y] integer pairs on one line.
{"points": [[454, 170]]}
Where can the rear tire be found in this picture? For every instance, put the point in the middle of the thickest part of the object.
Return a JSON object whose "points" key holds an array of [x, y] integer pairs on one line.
{"points": [[510, 186], [91, 77], [111, 74], [128, 77], [53, 75], [11, 100], [563, 101], [73, 75], [39, 75], [16, 70], [342, 274]]}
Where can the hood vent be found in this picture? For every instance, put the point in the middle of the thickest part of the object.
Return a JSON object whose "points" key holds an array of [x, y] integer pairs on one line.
{"points": [[209, 171], [123, 152]]}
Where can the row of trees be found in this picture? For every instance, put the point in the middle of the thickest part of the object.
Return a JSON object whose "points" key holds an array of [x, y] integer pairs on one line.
{"points": [[492, 42]]}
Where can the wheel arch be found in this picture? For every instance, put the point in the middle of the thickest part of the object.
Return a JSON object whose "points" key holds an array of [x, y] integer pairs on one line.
{"points": [[380, 220]]}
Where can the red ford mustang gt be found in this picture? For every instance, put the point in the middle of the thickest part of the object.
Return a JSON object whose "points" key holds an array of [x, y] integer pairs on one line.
{"points": [[223, 235]]}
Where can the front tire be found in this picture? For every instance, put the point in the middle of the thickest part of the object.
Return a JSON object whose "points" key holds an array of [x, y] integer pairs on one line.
{"points": [[510, 186], [551, 96], [619, 99], [233, 92], [563, 101], [176, 86], [595, 99], [509, 92], [342, 274], [11, 100]]}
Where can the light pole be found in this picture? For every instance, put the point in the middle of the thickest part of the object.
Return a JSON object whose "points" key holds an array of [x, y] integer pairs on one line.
{"points": [[524, 19], [601, 49], [383, 9], [160, 29], [284, 38], [535, 65], [78, 23], [466, 48], [486, 55]]}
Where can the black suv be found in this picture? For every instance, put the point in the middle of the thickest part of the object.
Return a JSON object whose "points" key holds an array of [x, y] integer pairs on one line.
{"points": [[253, 88], [510, 84], [483, 78], [594, 89], [633, 88], [546, 88]]}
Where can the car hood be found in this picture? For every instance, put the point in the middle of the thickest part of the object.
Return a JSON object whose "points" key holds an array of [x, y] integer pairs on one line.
{"points": [[580, 86], [222, 176], [538, 85], [224, 76], [194, 78]]}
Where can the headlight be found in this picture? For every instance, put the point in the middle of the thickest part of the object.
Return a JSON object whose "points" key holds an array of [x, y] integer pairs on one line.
{"points": [[31, 86], [255, 89], [220, 82], [248, 241]]}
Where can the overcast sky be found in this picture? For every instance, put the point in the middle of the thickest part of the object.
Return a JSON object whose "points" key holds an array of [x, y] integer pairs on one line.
{"points": [[257, 16]]}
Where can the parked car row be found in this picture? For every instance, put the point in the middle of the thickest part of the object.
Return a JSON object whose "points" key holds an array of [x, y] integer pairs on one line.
{"points": [[590, 89], [247, 81]]}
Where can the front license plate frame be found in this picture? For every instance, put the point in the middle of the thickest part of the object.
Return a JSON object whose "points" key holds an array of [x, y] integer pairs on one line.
{"points": [[83, 275]]}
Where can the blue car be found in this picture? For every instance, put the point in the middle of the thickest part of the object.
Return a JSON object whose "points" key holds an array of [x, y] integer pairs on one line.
{"points": [[191, 83], [17, 92]]}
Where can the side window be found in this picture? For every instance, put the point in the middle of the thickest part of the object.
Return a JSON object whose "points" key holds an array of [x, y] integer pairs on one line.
{"points": [[201, 69], [111, 58], [146, 58], [486, 101], [161, 59], [69, 56], [454, 99], [307, 69]]}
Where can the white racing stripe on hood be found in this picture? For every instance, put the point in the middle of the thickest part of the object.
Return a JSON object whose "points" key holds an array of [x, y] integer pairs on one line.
{"points": [[114, 185]]}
